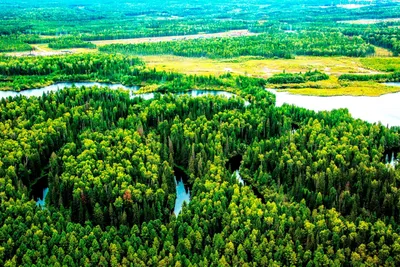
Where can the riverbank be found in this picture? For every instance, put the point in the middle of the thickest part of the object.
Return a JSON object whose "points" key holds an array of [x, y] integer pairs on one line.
{"points": [[374, 91], [370, 89]]}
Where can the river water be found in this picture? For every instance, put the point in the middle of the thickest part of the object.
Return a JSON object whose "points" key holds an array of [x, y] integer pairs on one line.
{"points": [[42, 201], [384, 109], [182, 190], [182, 195], [59, 86]]}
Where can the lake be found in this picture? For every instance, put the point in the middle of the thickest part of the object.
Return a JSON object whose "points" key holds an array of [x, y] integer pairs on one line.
{"points": [[384, 109]]}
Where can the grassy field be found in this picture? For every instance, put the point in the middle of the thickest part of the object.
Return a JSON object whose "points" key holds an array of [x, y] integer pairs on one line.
{"points": [[351, 88], [381, 52], [257, 67], [44, 50], [265, 68], [334, 66], [382, 64]]}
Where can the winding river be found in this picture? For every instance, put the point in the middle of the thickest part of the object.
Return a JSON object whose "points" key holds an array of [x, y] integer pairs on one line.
{"points": [[183, 191], [384, 109], [59, 86]]}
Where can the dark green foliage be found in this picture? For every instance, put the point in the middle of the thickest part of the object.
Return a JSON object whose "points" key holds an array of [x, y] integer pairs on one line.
{"points": [[283, 78], [277, 44], [13, 43], [394, 77], [317, 190], [382, 36], [20, 73], [69, 42], [316, 194]]}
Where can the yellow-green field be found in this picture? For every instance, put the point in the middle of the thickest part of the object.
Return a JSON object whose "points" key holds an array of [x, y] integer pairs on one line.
{"points": [[265, 68], [350, 88], [382, 64], [334, 66], [257, 67], [381, 52]]}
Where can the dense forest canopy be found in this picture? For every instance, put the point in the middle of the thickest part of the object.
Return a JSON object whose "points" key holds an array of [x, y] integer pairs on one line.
{"points": [[319, 193], [268, 185], [280, 45], [317, 188], [116, 20]]}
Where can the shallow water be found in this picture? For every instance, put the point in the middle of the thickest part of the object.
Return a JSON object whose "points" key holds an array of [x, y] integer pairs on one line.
{"points": [[393, 84], [42, 202], [59, 86], [351, 6], [146, 96], [182, 195]]}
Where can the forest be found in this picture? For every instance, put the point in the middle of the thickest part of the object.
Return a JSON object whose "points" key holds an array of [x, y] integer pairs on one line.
{"points": [[309, 76], [76, 24], [280, 45], [317, 188], [70, 42], [383, 37], [393, 77], [21, 73], [89, 176], [13, 43]]}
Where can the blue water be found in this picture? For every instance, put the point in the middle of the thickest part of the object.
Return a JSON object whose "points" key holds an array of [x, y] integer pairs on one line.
{"points": [[146, 96], [59, 86], [42, 202], [392, 84], [182, 195]]}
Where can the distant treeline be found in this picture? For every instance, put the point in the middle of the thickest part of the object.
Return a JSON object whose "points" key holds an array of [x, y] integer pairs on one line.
{"points": [[391, 77], [13, 43], [384, 37], [20, 73], [70, 42], [278, 44]]}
